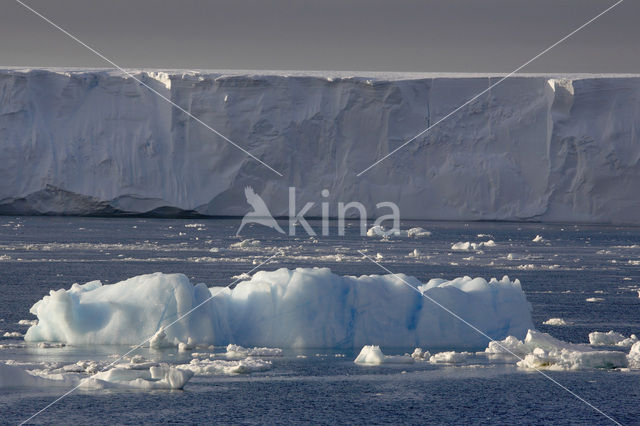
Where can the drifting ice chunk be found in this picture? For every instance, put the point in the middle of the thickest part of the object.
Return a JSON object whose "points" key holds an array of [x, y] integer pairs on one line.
{"points": [[120, 376], [381, 231], [566, 359], [542, 351], [372, 355], [556, 321], [12, 376], [611, 338], [634, 356], [449, 357], [155, 377], [420, 355], [467, 246], [208, 367], [285, 308], [235, 351]]}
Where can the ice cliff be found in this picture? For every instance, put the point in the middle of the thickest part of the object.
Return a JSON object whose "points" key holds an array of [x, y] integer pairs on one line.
{"points": [[305, 307], [550, 148]]}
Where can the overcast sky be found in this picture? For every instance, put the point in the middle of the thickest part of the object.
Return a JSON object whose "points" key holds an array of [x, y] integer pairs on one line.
{"points": [[370, 35]]}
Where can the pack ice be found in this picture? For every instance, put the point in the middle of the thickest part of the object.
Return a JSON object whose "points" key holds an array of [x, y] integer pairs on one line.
{"points": [[305, 307], [540, 147]]}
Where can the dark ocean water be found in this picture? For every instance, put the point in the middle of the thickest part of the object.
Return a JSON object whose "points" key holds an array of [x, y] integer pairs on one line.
{"points": [[575, 263]]}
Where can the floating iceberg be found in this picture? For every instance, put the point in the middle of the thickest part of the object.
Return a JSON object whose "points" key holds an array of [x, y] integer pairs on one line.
{"points": [[305, 307], [372, 355]]}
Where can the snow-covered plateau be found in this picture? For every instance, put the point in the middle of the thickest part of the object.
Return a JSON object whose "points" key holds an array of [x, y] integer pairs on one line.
{"points": [[535, 147], [301, 308]]}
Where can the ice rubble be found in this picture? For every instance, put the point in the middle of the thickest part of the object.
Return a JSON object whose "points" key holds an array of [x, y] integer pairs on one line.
{"points": [[145, 376], [611, 338], [135, 372], [305, 307], [539, 132], [381, 231], [542, 351], [468, 246]]}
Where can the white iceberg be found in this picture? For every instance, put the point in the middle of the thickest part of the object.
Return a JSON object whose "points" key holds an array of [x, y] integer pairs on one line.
{"points": [[305, 307], [372, 355]]}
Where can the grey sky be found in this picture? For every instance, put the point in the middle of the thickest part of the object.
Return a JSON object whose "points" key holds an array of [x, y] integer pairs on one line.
{"points": [[372, 35]]}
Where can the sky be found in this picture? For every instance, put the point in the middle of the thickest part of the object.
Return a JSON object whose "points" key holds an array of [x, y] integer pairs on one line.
{"points": [[349, 35]]}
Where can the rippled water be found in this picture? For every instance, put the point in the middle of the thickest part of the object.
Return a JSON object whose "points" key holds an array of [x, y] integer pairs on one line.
{"points": [[575, 263]]}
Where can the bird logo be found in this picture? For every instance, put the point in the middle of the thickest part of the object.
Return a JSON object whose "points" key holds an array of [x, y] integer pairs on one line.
{"points": [[260, 213]]}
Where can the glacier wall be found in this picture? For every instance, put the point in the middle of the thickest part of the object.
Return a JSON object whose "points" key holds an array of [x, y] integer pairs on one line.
{"points": [[549, 148]]}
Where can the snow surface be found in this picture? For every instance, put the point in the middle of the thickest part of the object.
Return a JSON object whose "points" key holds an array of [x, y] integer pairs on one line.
{"points": [[536, 147], [305, 307]]}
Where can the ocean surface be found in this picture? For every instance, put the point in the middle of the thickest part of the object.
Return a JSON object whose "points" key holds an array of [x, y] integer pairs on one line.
{"points": [[573, 263]]}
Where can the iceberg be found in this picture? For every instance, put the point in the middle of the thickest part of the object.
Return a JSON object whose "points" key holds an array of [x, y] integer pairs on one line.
{"points": [[300, 308], [536, 147], [372, 355]]}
